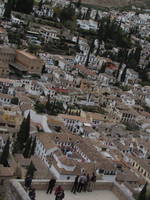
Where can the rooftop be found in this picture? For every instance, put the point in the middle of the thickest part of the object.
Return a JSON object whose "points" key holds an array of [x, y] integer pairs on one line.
{"points": [[31, 56]]}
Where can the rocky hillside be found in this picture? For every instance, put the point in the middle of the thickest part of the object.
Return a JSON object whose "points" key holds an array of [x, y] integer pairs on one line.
{"points": [[116, 3]]}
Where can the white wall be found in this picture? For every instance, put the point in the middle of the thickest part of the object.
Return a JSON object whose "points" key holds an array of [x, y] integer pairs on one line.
{"points": [[37, 118]]}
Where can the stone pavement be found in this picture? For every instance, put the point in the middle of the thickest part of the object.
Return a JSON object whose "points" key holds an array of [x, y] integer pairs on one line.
{"points": [[95, 195]]}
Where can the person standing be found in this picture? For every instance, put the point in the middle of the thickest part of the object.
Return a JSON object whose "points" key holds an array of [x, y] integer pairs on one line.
{"points": [[59, 193], [87, 182], [51, 185], [82, 181], [92, 182], [32, 193], [28, 182], [75, 184]]}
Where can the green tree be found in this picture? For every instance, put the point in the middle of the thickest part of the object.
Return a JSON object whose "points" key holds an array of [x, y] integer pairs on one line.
{"points": [[40, 4], [97, 16], [142, 195], [79, 4], [25, 6], [48, 105], [89, 52], [22, 135], [137, 54], [31, 170], [33, 147], [39, 107], [33, 48], [67, 14], [15, 101], [16, 147], [5, 154], [27, 126], [8, 9], [103, 67], [27, 148], [87, 17]]}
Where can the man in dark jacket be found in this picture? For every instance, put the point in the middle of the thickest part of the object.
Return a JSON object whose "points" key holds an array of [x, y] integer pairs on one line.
{"points": [[28, 182], [32, 194], [51, 185], [75, 185]]}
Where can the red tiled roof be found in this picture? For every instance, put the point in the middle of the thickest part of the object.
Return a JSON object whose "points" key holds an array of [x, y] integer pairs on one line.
{"points": [[111, 66], [83, 69], [60, 90]]}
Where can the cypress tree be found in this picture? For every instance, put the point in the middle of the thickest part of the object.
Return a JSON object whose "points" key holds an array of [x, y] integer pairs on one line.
{"points": [[33, 147], [78, 38], [5, 154], [40, 5], [123, 76], [31, 170], [142, 195], [27, 149], [22, 135], [90, 50], [43, 69], [102, 70], [28, 126], [16, 147], [8, 9], [137, 54], [87, 17], [97, 16], [48, 104], [78, 3], [25, 6]]}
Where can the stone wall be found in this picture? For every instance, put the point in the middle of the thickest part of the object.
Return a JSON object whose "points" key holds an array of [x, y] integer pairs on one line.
{"points": [[122, 192], [43, 184], [15, 190]]}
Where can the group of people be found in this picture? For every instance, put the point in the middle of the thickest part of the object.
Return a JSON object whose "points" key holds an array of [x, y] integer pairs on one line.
{"points": [[84, 183], [28, 187]]}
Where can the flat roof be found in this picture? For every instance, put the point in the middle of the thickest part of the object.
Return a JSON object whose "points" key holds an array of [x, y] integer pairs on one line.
{"points": [[29, 55]]}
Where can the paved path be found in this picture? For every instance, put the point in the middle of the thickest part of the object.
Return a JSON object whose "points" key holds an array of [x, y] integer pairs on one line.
{"points": [[95, 195]]}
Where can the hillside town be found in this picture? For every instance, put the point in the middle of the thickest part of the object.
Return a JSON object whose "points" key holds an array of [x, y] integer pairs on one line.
{"points": [[75, 92]]}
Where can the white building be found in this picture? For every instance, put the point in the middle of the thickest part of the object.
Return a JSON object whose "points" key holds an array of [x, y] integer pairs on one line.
{"points": [[50, 33], [5, 98], [131, 77], [87, 24]]}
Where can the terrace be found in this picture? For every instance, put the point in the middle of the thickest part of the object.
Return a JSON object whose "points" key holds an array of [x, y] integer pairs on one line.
{"points": [[96, 195], [103, 191]]}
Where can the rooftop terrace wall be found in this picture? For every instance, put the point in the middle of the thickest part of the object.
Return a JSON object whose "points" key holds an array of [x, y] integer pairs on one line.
{"points": [[15, 190]]}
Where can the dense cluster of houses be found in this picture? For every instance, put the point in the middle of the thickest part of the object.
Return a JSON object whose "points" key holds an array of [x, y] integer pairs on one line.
{"points": [[103, 124]]}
